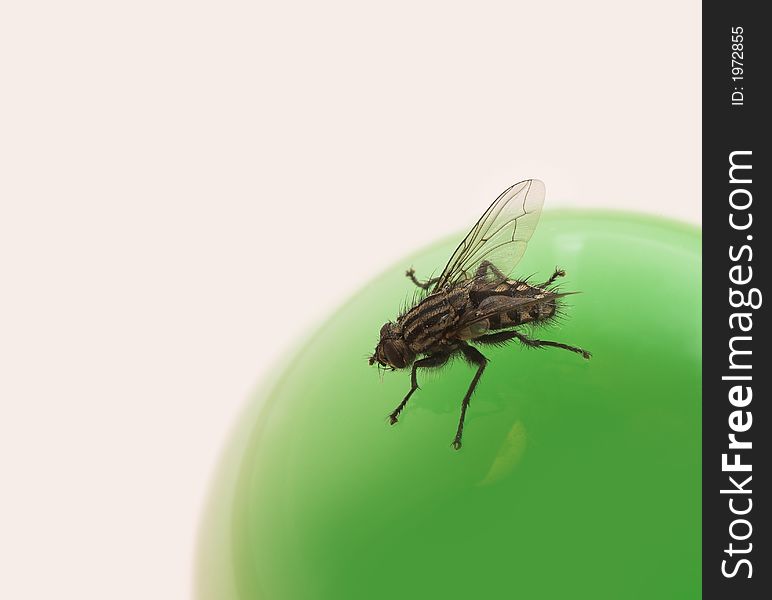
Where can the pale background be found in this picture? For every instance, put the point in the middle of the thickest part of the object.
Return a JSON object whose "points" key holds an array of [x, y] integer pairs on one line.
{"points": [[187, 188]]}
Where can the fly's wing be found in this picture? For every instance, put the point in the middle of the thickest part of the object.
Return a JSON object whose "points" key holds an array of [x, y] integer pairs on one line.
{"points": [[500, 236], [476, 322], [496, 305]]}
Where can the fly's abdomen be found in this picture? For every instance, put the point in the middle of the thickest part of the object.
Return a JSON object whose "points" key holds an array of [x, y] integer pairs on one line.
{"points": [[538, 305], [540, 311]]}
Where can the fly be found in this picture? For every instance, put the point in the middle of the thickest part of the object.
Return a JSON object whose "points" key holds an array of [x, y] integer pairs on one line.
{"points": [[473, 302]]}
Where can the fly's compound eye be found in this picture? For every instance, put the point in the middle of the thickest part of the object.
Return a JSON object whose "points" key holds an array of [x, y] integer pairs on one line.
{"points": [[393, 355]]}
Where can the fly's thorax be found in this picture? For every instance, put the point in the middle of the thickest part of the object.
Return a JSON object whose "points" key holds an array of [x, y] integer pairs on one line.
{"points": [[425, 325]]}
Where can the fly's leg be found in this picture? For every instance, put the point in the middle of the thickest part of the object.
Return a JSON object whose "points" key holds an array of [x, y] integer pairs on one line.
{"points": [[435, 360], [558, 273], [495, 339], [410, 274], [475, 358]]}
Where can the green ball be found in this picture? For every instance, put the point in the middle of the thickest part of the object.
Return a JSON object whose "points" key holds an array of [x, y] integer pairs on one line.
{"points": [[577, 479]]}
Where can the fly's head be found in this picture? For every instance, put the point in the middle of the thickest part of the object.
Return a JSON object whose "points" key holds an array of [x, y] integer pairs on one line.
{"points": [[392, 351]]}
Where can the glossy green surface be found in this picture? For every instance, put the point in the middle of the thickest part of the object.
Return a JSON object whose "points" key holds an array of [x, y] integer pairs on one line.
{"points": [[577, 479]]}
